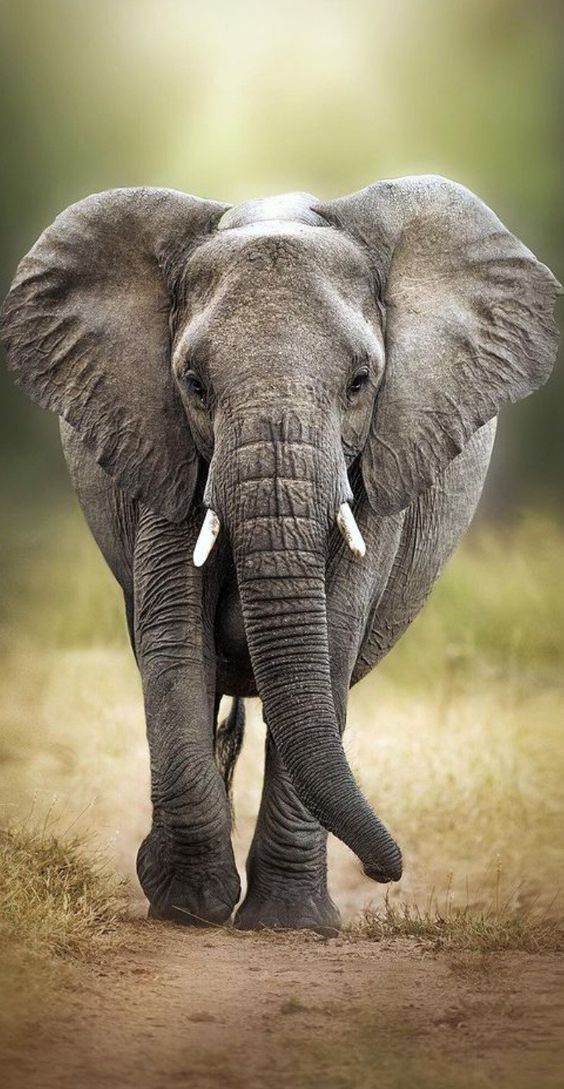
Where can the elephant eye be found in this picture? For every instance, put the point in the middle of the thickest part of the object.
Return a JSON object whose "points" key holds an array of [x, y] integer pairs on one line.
{"points": [[194, 385], [358, 382]]}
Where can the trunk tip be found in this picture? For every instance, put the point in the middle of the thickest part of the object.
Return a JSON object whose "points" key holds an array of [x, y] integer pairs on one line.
{"points": [[386, 869]]}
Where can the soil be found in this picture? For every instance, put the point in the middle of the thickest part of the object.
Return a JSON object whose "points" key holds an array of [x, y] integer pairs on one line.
{"points": [[211, 1008]]}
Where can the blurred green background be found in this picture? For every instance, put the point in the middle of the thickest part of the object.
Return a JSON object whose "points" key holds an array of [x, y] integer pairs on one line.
{"points": [[235, 98]]}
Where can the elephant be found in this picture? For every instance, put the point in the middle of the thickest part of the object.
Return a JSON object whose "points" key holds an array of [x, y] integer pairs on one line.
{"points": [[278, 417]]}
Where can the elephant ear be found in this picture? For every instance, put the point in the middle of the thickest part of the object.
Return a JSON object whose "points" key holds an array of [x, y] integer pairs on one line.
{"points": [[86, 326], [469, 325]]}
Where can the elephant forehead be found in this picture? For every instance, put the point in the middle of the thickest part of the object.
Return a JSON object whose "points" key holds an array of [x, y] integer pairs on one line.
{"points": [[300, 315], [293, 295], [261, 250], [289, 292], [279, 248]]}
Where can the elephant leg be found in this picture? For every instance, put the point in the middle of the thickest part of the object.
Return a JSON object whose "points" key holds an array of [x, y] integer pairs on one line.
{"points": [[185, 865], [287, 862]]}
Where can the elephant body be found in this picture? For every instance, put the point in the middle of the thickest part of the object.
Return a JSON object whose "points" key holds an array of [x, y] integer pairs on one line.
{"points": [[412, 548], [316, 386]]}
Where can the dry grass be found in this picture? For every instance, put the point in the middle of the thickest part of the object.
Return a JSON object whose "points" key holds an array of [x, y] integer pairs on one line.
{"points": [[59, 903], [495, 929], [56, 896], [469, 781], [457, 737]]}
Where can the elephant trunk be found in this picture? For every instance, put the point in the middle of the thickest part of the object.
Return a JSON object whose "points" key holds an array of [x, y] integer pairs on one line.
{"points": [[282, 487]]}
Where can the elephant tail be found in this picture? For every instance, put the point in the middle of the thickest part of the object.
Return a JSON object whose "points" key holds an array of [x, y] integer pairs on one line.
{"points": [[228, 741]]}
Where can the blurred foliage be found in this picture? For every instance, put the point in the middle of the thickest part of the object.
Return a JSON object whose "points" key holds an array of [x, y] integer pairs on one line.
{"points": [[497, 613], [237, 99]]}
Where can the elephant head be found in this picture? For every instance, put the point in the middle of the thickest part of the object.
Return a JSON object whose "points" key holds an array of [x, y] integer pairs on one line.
{"points": [[278, 342]]}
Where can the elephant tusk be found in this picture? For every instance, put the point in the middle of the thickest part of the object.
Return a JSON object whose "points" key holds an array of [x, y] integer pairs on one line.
{"points": [[207, 538], [350, 530]]}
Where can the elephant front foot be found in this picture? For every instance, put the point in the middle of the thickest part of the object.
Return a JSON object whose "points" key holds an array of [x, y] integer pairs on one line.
{"points": [[287, 863], [293, 907], [196, 891]]}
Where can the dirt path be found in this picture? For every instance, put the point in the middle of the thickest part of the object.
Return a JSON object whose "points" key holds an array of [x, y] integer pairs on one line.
{"points": [[207, 1009]]}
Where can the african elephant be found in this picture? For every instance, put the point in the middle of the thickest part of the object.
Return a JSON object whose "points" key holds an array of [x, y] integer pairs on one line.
{"points": [[278, 418]]}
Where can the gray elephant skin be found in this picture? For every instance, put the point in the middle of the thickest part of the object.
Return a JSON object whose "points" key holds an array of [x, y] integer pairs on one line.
{"points": [[325, 379]]}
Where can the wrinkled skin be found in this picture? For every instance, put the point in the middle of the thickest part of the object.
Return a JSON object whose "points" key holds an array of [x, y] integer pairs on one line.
{"points": [[272, 362]]}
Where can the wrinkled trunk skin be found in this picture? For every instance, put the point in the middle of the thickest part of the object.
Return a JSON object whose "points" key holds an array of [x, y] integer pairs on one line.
{"points": [[281, 484]]}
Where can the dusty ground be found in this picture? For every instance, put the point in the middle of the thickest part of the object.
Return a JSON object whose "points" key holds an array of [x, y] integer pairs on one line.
{"points": [[208, 1008]]}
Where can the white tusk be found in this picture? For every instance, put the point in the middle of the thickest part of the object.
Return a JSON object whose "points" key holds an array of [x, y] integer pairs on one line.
{"points": [[207, 538], [350, 530]]}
